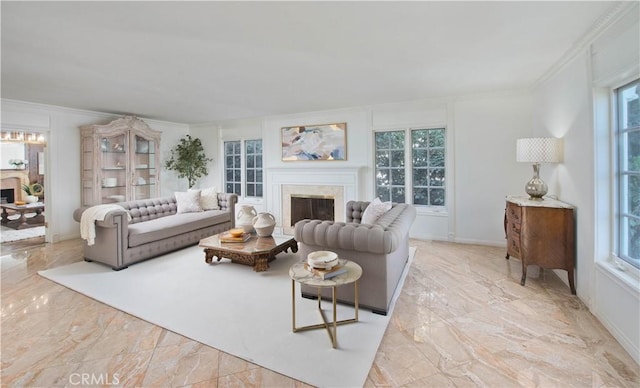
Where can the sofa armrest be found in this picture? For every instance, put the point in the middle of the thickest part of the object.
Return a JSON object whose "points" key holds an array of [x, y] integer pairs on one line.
{"points": [[350, 236], [110, 220], [227, 202]]}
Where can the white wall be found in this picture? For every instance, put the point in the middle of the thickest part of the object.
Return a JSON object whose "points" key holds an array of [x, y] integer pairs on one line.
{"points": [[62, 179], [481, 162], [563, 106]]}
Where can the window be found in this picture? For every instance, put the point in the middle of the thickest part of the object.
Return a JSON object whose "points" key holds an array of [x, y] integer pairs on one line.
{"points": [[248, 174], [627, 149], [253, 157], [424, 178]]}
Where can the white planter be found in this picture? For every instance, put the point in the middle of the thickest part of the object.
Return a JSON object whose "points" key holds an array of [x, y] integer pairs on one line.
{"points": [[31, 199]]}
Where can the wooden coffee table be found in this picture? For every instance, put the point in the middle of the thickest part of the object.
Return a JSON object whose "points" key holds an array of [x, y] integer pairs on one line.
{"points": [[256, 251], [23, 221]]}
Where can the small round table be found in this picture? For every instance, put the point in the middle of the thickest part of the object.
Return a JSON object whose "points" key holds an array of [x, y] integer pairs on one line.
{"points": [[299, 274]]}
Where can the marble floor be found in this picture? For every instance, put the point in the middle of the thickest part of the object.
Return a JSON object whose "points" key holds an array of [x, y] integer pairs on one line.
{"points": [[462, 319]]}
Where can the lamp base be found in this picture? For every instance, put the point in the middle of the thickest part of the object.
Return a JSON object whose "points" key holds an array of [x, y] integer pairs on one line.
{"points": [[536, 188]]}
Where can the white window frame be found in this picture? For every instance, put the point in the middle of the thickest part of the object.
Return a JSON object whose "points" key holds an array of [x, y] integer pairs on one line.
{"points": [[620, 238], [408, 166], [243, 169]]}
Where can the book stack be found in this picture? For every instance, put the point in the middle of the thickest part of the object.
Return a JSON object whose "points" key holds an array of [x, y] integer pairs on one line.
{"points": [[227, 237], [325, 274]]}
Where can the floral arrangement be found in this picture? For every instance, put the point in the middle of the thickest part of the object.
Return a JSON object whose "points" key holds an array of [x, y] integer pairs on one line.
{"points": [[17, 163]]}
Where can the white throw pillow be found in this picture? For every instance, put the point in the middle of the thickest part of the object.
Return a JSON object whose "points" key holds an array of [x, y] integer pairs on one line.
{"points": [[375, 209], [188, 202], [208, 199]]}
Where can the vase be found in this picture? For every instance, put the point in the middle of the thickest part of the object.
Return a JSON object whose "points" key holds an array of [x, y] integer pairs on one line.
{"points": [[244, 217], [31, 199], [264, 223]]}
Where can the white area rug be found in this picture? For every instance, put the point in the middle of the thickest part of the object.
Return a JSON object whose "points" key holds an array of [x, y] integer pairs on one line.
{"points": [[8, 234], [241, 312]]}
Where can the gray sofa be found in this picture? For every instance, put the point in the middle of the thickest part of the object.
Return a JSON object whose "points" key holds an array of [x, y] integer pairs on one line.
{"points": [[155, 228], [381, 249]]}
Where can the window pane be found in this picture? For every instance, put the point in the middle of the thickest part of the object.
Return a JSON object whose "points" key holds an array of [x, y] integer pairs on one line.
{"points": [[236, 161], [420, 196], [250, 161], [229, 188], [382, 159], [397, 194], [228, 147], [250, 147], [633, 194], [251, 177], [236, 147], [382, 140], [383, 177], [237, 189], [420, 158], [259, 161], [251, 190], [397, 140], [397, 158], [436, 138], [397, 177], [420, 177], [633, 138], [419, 138], [259, 176], [436, 158], [436, 177], [229, 161], [436, 197], [384, 193]]}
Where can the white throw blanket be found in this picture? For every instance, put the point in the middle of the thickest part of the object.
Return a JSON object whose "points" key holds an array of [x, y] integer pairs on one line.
{"points": [[89, 218]]}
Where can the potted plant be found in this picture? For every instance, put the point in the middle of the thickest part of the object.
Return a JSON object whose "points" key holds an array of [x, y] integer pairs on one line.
{"points": [[188, 159], [33, 191]]}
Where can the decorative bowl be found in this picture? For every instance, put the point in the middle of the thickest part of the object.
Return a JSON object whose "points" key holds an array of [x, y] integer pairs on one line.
{"points": [[236, 232], [322, 259]]}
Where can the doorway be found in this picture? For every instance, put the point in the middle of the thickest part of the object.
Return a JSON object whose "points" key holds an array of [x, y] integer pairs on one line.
{"points": [[23, 186]]}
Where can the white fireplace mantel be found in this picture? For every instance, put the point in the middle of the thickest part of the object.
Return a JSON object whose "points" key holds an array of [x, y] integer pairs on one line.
{"points": [[346, 179]]}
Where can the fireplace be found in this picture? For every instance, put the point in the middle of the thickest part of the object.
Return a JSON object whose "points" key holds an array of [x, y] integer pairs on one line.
{"points": [[339, 184], [7, 196], [315, 207]]}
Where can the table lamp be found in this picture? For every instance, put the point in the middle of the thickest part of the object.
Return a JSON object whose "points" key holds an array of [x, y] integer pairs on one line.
{"points": [[538, 150]]}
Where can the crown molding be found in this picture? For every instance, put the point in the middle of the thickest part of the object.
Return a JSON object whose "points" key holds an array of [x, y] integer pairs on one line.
{"points": [[613, 15]]}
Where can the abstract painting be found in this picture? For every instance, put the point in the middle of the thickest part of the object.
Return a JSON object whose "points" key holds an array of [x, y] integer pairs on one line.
{"points": [[315, 142]]}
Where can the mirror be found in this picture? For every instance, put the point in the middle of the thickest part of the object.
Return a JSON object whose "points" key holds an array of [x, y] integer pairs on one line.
{"points": [[11, 151]]}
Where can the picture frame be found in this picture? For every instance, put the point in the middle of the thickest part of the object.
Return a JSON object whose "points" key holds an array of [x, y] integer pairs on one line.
{"points": [[326, 142]]}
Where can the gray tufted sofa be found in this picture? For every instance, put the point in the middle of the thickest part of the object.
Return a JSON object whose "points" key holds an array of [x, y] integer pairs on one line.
{"points": [[381, 249], [155, 228]]}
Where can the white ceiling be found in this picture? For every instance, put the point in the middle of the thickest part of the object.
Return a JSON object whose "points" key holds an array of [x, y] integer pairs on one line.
{"points": [[202, 61]]}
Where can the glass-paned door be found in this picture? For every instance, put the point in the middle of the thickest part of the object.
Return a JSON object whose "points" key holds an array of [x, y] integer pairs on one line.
{"points": [[144, 167], [113, 177]]}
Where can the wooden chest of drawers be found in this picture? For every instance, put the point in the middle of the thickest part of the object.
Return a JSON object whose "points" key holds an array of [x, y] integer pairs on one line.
{"points": [[541, 233]]}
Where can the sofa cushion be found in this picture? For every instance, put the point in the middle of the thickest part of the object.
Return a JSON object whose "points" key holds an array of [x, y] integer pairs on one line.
{"points": [[188, 201], [166, 227], [375, 209]]}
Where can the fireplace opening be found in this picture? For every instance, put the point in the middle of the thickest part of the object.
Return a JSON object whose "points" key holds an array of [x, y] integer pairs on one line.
{"points": [[315, 207], [7, 195]]}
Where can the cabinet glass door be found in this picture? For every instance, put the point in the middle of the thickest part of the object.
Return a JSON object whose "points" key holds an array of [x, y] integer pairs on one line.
{"points": [[114, 168], [144, 168]]}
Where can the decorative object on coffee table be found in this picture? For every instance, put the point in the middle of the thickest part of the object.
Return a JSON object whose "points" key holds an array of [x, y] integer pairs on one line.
{"points": [[244, 218], [257, 252], [264, 223]]}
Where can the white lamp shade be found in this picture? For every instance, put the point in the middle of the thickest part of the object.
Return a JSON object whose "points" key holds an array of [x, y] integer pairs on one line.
{"points": [[539, 150]]}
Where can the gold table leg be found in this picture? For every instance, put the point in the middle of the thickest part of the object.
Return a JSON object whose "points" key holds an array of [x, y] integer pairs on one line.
{"points": [[333, 334]]}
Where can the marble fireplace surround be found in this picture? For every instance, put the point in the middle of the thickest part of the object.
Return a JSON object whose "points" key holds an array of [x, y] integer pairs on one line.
{"points": [[339, 183]]}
